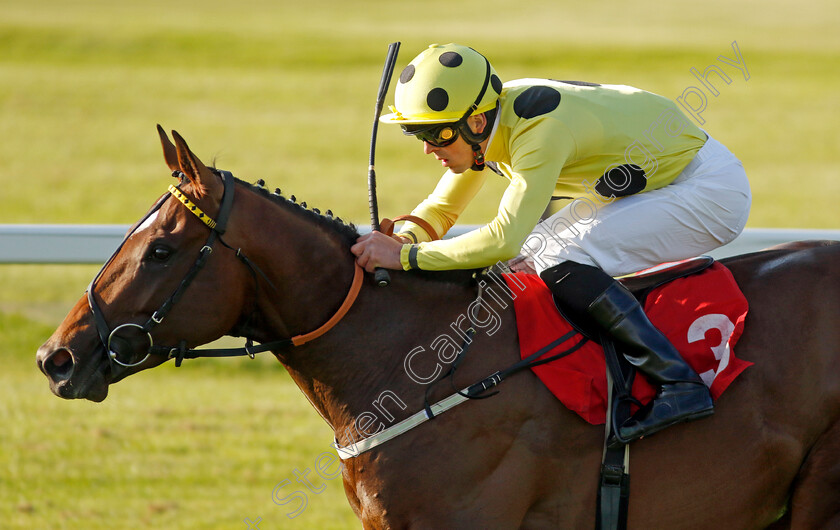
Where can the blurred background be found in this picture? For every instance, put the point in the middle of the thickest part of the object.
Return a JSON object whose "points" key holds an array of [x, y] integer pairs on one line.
{"points": [[284, 91]]}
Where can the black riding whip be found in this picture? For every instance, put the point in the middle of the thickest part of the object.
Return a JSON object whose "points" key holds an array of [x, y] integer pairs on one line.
{"points": [[380, 275]]}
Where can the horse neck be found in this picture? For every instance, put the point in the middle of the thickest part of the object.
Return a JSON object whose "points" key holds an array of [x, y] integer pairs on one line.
{"points": [[309, 265], [346, 370]]}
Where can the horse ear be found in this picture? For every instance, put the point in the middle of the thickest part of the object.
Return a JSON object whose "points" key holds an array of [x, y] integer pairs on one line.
{"points": [[202, 179], [169, 153]]}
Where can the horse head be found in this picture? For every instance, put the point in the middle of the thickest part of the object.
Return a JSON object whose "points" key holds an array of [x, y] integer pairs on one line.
{"points": [[160, 289]]}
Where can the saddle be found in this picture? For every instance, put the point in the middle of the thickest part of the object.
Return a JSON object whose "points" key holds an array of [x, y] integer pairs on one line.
{"points": [[641, 284], [689, 306]]}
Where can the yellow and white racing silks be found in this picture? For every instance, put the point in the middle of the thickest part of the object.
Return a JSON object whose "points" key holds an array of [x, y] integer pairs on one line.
{"points": [[555, 138]]}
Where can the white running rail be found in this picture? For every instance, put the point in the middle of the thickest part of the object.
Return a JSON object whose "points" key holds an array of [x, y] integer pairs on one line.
{"points": [[93, 244]]}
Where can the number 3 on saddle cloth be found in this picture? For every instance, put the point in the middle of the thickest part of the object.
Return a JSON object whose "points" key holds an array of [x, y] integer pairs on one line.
{"points": [[701, 314]]}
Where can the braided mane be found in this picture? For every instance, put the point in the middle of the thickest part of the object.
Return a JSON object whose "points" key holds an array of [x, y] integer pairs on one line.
{"points": [[347, 231]]}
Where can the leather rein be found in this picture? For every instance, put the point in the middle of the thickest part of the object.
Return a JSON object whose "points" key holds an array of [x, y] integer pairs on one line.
{"points": [[217, 229]]}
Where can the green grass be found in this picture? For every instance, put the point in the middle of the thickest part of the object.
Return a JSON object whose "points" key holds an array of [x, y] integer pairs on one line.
{"points": [[284, 91], [202, 446], [286, 94]]}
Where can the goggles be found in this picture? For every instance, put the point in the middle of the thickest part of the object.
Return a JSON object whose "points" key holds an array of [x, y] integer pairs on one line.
{"points": [[439, 135]]}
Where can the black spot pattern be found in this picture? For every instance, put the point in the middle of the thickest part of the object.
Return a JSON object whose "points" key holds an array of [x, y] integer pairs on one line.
{"points": [[536, 101], [496, 83], [451, 59], [437, 99], [407, 74], [622, 181]]}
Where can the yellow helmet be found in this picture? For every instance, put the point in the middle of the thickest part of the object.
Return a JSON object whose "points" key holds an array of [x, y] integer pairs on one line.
{"points": [[444, 84]]}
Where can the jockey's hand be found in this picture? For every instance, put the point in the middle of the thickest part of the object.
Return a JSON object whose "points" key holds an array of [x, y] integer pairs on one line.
{"points": [[378, 250]]}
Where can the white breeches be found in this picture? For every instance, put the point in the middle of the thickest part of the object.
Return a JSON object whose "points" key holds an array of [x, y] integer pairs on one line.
{"points": [[705, 207]]}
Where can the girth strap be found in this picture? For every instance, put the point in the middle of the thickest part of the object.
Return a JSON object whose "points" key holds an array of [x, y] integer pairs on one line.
{"points": [[614, 485], [471, 392]]}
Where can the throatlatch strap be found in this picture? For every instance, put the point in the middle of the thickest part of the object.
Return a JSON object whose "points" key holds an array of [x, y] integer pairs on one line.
{"points": [[217, 229]]}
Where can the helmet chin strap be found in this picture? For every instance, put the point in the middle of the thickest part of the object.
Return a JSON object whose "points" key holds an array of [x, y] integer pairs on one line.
{"points": [[478, 158], [475, 139]]}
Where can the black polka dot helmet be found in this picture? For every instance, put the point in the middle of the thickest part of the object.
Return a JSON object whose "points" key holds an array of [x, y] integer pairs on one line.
{"points": [[444, 84]]}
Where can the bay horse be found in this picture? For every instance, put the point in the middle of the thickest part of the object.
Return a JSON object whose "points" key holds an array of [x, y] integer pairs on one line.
{"points": [[768, 457]]}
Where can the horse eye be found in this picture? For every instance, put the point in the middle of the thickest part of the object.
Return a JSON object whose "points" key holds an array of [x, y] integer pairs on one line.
{"points": [[160, 253]]}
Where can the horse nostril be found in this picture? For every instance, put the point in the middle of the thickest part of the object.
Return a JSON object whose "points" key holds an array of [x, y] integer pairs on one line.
{"points": [[58, 366]]}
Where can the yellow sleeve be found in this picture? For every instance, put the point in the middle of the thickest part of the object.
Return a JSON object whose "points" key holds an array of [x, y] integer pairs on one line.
{"points": [[442, 208], [538, 152]]}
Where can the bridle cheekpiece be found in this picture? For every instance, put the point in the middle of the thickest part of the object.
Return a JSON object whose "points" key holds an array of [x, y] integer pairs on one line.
{"points": [[217, 229]]}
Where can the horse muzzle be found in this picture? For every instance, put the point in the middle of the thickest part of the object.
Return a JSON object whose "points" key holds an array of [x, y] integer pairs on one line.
{"points": [[68, 379]]}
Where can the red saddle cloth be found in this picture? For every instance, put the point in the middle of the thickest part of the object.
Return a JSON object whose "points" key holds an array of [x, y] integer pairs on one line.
{"points": [[702, 315]]}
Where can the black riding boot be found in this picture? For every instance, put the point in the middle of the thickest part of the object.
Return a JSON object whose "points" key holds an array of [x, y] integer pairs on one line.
{"points": [[682, 395]]}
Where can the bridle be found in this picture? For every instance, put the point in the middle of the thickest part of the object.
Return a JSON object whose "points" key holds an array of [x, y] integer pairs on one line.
{"points": [[217, 229]]}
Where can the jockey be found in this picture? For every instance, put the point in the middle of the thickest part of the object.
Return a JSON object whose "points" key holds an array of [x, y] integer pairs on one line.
{"points": [[646, 186]]}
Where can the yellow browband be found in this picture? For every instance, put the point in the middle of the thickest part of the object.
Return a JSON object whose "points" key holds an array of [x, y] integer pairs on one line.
{"points": [[204, 218]]}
